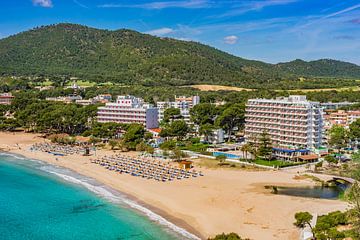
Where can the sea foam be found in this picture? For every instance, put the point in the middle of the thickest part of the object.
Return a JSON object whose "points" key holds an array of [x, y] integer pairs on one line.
{"points": [[115, 197]]}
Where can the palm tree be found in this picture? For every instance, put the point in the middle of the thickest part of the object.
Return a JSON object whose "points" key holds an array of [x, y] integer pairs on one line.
{"points": [[246, 148]]}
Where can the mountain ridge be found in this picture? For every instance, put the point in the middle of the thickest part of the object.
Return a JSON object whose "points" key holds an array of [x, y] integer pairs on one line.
{"points": [[130, 57]]}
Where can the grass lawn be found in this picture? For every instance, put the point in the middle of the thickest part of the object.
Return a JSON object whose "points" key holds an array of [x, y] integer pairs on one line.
{"points": [[46, 83], [82, 83], [275, 163], [214, 164], [112, 84], [197, 147]]}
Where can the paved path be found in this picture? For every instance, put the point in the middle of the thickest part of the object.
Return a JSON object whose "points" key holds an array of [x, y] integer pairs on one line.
{"points": [[327, 177]]}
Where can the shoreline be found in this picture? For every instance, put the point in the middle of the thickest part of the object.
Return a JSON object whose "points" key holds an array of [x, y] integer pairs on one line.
{"points": [[221, 201], [157, 211]]}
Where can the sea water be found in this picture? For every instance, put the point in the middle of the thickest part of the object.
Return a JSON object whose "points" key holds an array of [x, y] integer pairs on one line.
{"points": [[41, 201]]}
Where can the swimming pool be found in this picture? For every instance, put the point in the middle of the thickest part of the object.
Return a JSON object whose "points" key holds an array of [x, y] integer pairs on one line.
{"points": [[227, 155]]}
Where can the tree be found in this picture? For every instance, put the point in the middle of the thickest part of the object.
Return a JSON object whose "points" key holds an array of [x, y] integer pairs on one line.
{"points": [[124, 146], [253, 145], [150, 150], [338, 137], [168, 145], [148, 136], [203, 113], [354, 130], [326, 225], [230, 118], [171, 114], [333, 233], [265, 146], [303, 219], [177, 129], [355, 157], [177, 154], [331, 159], [94, 140], [134, 135], [141, 147], [112, 144], [103, 130], [354, 199], [246, 148], [206, 130], [229, 236], [221, 158]]}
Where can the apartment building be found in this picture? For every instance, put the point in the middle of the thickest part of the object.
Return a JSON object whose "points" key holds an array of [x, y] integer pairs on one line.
{"points": [[341, 117], [353, 116], [183, 103], [6, 98], [192, 101], [293, 123], [104, 98], [65, 99], [335, 106], [129, 109]]}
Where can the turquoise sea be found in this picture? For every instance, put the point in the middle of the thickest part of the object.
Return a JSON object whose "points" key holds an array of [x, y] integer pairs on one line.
{"points": [[40, 201]]}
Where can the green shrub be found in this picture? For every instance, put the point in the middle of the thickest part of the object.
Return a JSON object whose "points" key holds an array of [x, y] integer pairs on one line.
{"points": [[229, 236]]}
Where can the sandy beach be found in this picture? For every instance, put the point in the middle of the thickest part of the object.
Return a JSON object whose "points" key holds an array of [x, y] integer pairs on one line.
{"points": [[221, 201]]}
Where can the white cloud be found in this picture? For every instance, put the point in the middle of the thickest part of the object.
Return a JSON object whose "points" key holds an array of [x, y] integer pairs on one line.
{"points": [[231, 39], [160, 31], [43, 3], [248, 6], [80, 4], [343, 11], [162, 5]]}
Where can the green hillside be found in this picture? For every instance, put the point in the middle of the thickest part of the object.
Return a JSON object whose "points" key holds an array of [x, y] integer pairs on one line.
{"points": [[129, 57], [321, 68]]}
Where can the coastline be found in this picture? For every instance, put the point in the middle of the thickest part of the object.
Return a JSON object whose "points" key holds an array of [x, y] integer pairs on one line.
{"points": [[222, 201], [184, 229]]}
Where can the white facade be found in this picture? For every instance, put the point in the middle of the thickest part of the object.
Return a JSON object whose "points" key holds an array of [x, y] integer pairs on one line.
{"points": [[291, 122], [335, 106], [216, 136], [182, 103], [6, 98], [67, 99], [129, 109]]}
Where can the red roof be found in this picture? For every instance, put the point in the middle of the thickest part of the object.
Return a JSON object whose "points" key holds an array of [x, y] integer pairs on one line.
{"points": [[309, 157], [157, 130]]}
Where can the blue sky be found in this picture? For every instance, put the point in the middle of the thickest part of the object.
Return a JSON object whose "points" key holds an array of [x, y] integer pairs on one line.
{"points": [[267, 30]]}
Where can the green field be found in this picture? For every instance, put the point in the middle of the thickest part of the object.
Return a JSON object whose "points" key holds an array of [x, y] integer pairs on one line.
{"points": [[82, 83], [276, 163]]}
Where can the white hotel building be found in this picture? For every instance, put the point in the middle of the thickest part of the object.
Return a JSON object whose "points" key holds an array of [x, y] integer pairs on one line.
{"points": [[129, 109], [183, 103], [293, 123]]}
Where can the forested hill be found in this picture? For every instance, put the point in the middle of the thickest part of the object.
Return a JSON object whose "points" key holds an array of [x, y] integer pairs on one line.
{"points": [[321, 68], [131, 57]]}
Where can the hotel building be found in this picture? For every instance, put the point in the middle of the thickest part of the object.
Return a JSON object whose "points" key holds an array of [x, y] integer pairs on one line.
{"points": [[294, 124], [6, 98], [129, 109], [183, 103]]}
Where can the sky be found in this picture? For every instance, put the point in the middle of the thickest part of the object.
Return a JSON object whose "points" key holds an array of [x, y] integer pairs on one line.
{"points": [[267, 30]]}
